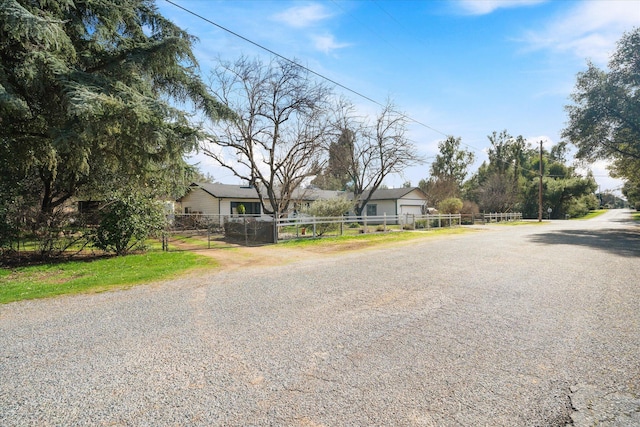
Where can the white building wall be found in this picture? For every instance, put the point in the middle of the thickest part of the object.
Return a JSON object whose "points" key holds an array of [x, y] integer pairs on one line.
{"points": [[199, 201], [383, 207]]}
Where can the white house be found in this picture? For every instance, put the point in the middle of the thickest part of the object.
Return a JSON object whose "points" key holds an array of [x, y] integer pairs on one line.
{"points": [[223, 199]]}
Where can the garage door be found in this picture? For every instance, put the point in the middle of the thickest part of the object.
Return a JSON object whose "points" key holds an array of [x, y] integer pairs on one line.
{"points": [[410, 209]]}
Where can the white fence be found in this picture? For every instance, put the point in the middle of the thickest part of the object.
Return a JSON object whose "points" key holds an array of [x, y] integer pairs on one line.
{"points": [[305, 226], [255, 228], [498, 217]]}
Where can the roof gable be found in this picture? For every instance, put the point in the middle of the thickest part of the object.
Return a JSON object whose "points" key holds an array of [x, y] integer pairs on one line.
{"points": [[394, 193]]}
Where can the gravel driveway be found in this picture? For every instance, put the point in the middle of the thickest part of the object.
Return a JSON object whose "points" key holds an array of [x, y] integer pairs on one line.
{"points": [[535, 325]]}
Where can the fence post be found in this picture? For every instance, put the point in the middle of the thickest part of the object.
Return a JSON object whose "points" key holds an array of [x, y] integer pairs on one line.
{"points": [[342, 226], [314, 227], [384, 222], [275, 228]]}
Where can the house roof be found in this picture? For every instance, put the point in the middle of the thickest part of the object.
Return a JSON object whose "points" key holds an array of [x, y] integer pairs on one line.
{"points": [[227, 191], [391, 193]]}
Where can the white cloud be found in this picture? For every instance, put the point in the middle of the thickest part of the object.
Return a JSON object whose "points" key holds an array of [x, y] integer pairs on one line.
{"points": [[588, 30], [483, 7], [327, 43], [600, 170], [303, 16]]}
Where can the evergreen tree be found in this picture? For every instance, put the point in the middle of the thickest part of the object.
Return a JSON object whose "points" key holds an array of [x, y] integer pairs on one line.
{"points": [[91, 95]]}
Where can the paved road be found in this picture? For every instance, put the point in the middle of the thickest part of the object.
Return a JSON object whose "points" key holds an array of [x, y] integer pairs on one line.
{"points": [[510, 326]]}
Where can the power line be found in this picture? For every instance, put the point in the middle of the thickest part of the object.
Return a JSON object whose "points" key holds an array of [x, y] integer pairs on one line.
{"points": [[272, 52], [353, 91]]}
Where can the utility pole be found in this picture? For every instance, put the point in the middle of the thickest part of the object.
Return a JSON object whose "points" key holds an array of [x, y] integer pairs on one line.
{"points": [[540, 187]]}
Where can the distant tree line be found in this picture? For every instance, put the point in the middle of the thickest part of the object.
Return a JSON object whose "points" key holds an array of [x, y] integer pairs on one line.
{"points": [[509, 180]]}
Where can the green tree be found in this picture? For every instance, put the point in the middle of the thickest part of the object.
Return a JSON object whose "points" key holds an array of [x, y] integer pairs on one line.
{"points": [[127, 221], [452, 162], [88, 96], [564, 191], [604, 120], [448, 171]]}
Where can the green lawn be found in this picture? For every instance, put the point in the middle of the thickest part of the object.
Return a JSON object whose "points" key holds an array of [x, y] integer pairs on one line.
{"points": [[592, 214], [636, 216], [95, 275], [373, 237]]}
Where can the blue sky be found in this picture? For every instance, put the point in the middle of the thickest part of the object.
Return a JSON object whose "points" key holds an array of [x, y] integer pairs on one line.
{"points": [[464, 68]]}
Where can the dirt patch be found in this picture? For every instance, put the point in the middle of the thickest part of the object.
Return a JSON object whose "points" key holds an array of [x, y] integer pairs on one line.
{"points": [[236, 256]]}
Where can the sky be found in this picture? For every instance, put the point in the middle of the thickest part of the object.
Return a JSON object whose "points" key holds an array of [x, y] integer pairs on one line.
{"points": [[464, 68]]}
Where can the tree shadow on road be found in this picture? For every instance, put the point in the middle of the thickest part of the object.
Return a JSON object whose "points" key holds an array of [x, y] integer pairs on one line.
{"points": [[620, 242]]}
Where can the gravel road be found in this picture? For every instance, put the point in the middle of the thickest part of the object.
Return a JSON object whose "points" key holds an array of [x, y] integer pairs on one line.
{"points": [[535, 325]]}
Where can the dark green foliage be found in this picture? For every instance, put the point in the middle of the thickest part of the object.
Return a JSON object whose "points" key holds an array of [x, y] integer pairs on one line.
{"points": [[510, 181], [604, 121], [452, 162], [448, 171], [88, 95], [127, 221]]}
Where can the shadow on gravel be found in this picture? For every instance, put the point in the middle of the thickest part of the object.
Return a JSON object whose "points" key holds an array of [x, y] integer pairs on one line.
{"points": [[620, 242]]}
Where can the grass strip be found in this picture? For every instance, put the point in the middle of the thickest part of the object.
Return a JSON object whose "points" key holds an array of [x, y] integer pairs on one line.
{"points": [[592, 214], [371, 238], [95, 275]]}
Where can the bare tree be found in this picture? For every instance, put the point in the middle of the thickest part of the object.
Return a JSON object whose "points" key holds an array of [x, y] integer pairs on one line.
{"points": [[379, 149], [275, 141]]}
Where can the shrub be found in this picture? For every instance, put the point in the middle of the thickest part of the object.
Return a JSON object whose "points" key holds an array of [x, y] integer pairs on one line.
{"points": [[452, 205], [126, 222], [582, 206], [336, 207], [591, 201], [469, 208], [469, 211]]}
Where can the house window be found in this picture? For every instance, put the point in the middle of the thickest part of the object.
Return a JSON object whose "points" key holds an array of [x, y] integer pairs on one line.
{"points": [[187, 210], [372, 210], [250, 208]]}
